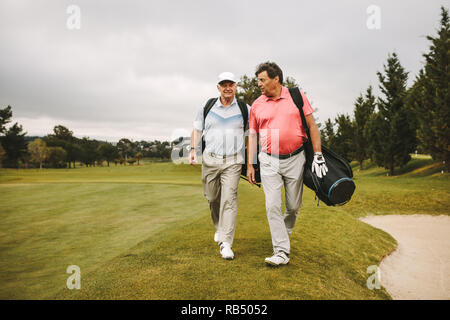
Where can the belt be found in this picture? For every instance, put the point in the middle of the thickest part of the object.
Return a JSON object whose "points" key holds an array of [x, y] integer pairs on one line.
{"points": [[286, 156], [222, 156]]}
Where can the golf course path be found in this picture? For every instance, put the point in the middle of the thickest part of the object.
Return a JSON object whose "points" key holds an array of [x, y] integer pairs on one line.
{"points": [[419, 268]]}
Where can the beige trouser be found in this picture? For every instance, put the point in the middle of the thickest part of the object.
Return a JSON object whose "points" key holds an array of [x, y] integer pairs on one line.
{"points": [[274, 174], [220, 179]]}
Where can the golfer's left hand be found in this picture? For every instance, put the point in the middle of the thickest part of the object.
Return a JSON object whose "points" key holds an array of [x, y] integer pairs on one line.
{"points": [[251, 174], [192, 158], [318, 165]]}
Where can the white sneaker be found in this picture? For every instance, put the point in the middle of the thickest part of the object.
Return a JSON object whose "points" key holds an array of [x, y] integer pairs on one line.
{"points": [[216, 237], [277, 259], [225, 251]]}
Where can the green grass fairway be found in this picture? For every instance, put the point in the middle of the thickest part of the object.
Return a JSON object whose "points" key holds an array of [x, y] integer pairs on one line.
{"points": [[144, 232]]}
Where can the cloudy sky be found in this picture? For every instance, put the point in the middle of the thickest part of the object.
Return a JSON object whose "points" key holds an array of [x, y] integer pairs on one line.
{"points": [[142, 69]]}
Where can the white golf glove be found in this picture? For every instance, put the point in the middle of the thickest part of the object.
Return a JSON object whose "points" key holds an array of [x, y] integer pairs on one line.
{"points": [[318, 165]]}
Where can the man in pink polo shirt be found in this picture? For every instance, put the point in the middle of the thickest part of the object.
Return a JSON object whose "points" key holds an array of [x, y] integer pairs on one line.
{"points": [[275, 118]]}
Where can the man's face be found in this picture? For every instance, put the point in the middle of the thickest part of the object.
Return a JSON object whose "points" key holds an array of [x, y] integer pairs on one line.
{"points": [[268, 86], [227, 89]]}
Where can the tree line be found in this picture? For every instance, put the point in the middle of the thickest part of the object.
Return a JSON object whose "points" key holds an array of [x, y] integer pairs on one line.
{"points": [[62, 149]]}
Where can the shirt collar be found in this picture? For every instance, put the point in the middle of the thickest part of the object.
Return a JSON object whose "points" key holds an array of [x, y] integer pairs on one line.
{"points": [[221, 105], [284, 94]]}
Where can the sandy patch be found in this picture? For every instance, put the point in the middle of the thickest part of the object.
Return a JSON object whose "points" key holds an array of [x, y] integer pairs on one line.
{"points": [[420, 266]]}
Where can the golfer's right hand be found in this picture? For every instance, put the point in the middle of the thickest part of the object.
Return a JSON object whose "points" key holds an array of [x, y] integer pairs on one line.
{"points": [[251, 174], [192, 157]]}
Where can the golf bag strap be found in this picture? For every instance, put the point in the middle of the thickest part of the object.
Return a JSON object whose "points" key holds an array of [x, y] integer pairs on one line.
{"points": [[244, 111], [207, 108], [298, 100]]}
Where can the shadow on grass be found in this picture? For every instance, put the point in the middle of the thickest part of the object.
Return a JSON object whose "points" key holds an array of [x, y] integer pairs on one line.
{"points": [[416, 167]]}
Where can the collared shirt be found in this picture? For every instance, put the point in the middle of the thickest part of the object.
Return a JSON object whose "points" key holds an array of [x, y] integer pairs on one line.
{"points": [[278, 122], [223, 129]]}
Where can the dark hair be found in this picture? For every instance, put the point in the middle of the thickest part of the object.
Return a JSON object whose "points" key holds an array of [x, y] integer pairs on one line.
{"points": [[272, 69]]}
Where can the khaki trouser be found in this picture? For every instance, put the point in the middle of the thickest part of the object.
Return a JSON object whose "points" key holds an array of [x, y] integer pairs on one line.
{"points": [[220, 179], [274, 174]]}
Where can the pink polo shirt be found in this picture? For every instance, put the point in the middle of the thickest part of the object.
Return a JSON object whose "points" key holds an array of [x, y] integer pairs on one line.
{"points": [[278, 122]]}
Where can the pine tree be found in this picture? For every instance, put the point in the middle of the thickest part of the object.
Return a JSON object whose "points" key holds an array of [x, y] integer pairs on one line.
{"points": [[327, 134], [376, 130], [415, 100], [364, 108], [432, 108], [343, 140], [391, 147], [5, 117], [14, 144]]}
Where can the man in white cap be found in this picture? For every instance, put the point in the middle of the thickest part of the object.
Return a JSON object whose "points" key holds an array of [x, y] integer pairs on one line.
{"points": [[222, 122]]}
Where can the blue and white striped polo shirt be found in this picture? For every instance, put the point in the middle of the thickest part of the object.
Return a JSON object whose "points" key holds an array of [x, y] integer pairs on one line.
{"points": [[223, 129]]}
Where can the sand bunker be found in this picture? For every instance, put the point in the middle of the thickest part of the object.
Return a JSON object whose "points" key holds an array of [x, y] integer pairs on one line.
{"points": [[420, 266]]}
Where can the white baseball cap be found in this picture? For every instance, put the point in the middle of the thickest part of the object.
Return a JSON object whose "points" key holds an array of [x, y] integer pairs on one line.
{"points": [[226, 76]]}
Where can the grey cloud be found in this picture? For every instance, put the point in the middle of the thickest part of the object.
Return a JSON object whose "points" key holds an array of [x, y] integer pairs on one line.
{"points": [[151, 64]]}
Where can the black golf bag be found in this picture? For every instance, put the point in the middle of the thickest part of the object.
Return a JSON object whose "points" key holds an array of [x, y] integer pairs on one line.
{"points": [[337, 186]]}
